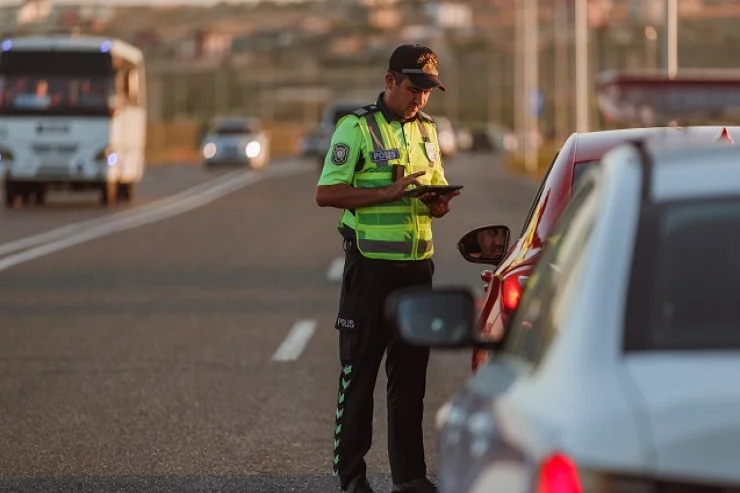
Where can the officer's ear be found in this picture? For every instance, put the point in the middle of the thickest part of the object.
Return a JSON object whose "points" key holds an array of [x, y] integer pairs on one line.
{"points": [[390, 80]]}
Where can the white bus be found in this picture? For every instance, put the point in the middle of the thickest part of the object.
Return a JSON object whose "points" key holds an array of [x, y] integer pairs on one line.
{"points": [[72, 116]]}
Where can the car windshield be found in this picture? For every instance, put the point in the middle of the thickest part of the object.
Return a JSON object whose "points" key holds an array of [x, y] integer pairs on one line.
{"points": [[66, 95], [693, 278], [581, 168], [233, 128]]}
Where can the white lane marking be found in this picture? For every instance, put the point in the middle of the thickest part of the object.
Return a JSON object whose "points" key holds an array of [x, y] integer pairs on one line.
{"points": [[115, 225], [336, 270], [73, 228], [295, 343]]}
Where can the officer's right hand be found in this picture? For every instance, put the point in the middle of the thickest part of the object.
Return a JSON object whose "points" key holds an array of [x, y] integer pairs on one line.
{"points": [[396, 190]]}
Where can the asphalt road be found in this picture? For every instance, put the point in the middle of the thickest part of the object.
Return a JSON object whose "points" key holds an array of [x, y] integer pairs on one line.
{"points": [[66, 208], [141, 358]]}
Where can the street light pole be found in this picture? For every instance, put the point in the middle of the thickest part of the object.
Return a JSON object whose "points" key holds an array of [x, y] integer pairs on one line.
{"points": [[671, 38], [531, 78], [581, 85], [519, 85], [561, 106]]}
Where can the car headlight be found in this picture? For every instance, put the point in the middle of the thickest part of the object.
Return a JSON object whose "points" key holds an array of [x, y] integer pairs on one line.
{"points": [[253, 149], [209, 150]]}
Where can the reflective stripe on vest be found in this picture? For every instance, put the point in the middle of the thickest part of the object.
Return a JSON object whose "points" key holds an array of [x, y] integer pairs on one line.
{"points": [[376, 135], [398, 230], [394, 247]]}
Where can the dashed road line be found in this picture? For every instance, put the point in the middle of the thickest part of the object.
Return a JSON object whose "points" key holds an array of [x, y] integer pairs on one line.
{"points": [[167, 208], [336, 270], [75, 228], [296, 342]]}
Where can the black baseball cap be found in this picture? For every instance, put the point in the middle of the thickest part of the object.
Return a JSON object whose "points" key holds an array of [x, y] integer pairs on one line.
{"points": [[417, 62]]}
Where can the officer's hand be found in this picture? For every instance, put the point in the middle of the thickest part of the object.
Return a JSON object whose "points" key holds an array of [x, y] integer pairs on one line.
{"points": [[438, 205], [430, 198], [396, 190]]}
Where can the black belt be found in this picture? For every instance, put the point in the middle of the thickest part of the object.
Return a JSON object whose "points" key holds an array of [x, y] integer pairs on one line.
{"points": [[350, 245]]}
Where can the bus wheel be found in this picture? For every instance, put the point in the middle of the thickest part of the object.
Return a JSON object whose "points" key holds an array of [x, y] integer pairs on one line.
{"points": [[108, 193], [12, 197], [125, 192], [39, 196]]}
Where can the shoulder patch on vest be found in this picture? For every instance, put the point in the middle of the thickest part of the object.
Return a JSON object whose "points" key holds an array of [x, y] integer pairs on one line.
{"points": [[365, 110], [426, 117], [339, 154]]}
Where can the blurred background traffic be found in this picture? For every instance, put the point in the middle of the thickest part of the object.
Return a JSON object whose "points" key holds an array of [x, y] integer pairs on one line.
{"points": [[512, 68]]}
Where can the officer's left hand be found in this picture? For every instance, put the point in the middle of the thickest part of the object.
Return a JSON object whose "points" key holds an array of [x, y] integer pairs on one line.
{"points": [[438, 205]]}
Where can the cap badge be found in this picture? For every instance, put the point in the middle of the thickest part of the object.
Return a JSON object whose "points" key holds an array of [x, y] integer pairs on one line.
{"points": [[428, 63]]}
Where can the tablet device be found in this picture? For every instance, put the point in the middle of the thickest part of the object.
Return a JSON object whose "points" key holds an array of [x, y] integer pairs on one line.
{"points": [[438, 189]]}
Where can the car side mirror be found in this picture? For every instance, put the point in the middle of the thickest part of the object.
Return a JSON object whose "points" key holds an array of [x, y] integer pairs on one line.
{"points": [[485, 245], [443, 317]]}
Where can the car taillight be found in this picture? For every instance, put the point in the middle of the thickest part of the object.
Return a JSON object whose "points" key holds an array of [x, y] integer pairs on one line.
{"points": [[558, 474], [513, 286]]}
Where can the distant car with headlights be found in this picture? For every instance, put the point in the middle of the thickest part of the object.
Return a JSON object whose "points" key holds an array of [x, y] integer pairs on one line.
{"points": [[236, 141], [618, 373]]}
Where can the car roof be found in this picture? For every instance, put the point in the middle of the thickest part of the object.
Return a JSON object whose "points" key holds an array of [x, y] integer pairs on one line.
{"points": [[235, 120], [686, 172], [591, 146]]}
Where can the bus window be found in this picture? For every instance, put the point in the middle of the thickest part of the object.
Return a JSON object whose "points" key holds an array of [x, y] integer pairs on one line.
{"points": [[60, 95]]}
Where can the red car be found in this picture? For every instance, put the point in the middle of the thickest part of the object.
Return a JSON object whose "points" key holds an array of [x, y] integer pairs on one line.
{"points": [[489, 244]]}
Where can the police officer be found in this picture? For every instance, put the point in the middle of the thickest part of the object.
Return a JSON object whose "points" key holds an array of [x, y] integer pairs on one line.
{"points": [[376, 154]]}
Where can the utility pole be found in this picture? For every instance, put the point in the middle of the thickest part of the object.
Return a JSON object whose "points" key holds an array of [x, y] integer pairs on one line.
{"points": [[494, 95], [531, 83], [670, 52], [156, 107], [519, 55], [582, 92], [562, 64], [452, 102], [221, 88]]}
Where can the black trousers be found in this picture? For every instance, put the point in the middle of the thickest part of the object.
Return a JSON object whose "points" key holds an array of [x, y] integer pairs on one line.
{"points": [[364, 336]]}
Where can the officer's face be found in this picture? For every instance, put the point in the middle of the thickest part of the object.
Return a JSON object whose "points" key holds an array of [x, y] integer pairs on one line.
{"points": [[405, 98]]}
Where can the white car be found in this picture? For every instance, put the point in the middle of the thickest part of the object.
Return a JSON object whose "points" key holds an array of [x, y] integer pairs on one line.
{"points": [[620, 370], [239, 141], [446, 136]]}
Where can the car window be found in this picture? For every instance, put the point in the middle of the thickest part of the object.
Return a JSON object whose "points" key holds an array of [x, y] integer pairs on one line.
{"points": [[580, 168], [233, 128], [550, 288], [686, 278], [535, 202]]}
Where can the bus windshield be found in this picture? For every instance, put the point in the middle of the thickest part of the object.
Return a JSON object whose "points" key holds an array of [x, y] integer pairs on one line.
{"points": [[56, 83], [56, 95]]}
